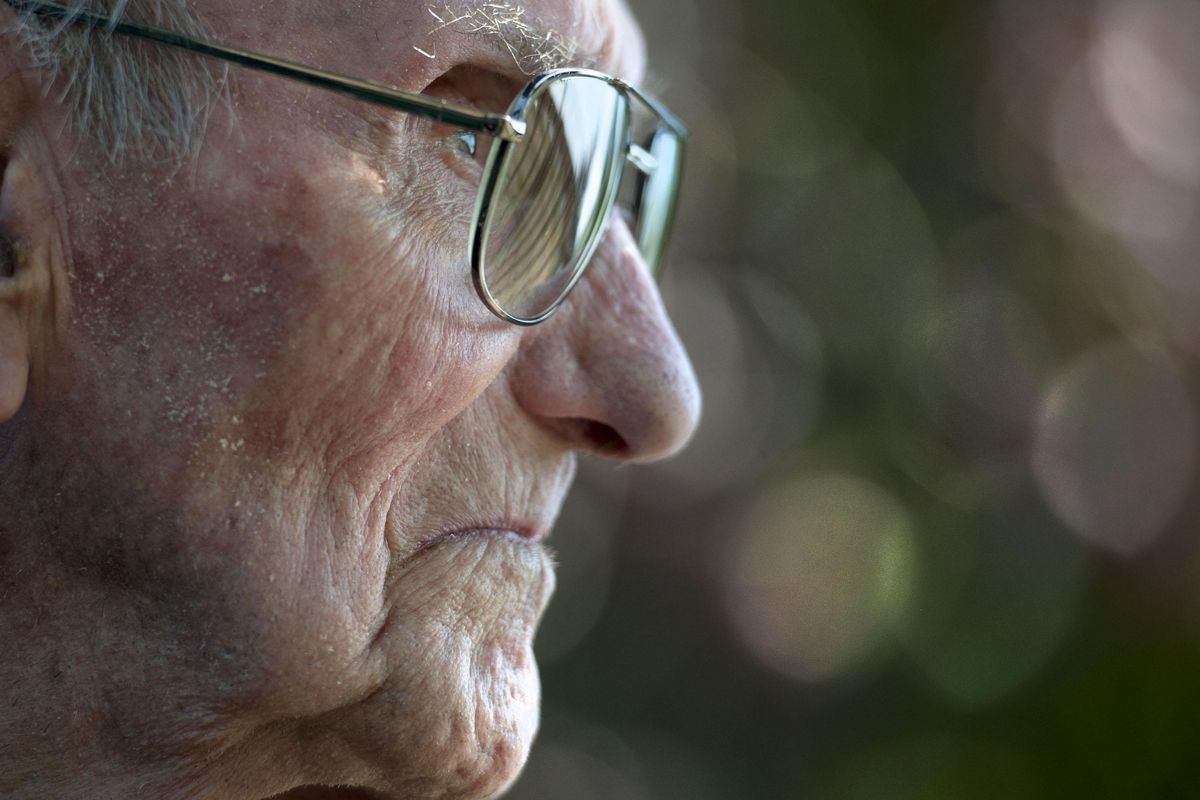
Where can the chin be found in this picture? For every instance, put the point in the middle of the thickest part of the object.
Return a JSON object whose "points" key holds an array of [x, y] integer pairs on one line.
{"points": [[447, 743], [504, 733], [471, 750], [483, 694], [459, 710], [479, 750]]}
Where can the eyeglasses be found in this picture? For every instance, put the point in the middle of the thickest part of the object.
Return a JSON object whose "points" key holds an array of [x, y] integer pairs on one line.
{"points": [[551, 179]]}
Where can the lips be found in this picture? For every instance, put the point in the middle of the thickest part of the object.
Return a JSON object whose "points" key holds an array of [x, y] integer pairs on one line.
{"points": [[517, 533], [327, 793]]}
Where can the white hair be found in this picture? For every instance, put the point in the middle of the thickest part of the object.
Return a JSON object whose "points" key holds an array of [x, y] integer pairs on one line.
{"points": [[131, 96]]}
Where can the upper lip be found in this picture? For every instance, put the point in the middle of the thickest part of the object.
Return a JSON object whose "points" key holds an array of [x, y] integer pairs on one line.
{"points": [[526, 510]]}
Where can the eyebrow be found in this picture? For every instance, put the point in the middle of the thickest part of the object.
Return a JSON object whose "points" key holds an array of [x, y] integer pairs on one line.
{"points": [[533, 47]]}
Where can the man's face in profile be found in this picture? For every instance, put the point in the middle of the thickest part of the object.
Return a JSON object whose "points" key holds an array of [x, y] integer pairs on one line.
{"points": [[275, 479]]}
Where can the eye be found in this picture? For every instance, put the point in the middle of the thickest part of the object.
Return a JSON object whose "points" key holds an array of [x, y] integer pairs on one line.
{"points": [[464, 142]]}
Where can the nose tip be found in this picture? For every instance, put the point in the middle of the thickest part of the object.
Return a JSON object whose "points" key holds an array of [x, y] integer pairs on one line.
{"points": [[650, 415], [655, 398], [608, 372]]}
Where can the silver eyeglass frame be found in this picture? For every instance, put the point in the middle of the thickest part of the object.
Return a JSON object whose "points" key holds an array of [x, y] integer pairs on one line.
{"points": [[508, 129], [633, 153]]}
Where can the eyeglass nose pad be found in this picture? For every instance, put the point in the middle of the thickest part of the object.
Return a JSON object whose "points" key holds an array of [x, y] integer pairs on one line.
{"points": [[642, 158], [658, 167]]}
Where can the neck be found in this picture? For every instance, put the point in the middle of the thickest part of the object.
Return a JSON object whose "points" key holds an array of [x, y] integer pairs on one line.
{"points": [[53, 698], [113, 679], [78, 722]]}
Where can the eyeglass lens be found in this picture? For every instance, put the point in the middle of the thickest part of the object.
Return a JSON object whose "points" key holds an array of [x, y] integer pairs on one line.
{"points": [[656, 205], [553, 194]]}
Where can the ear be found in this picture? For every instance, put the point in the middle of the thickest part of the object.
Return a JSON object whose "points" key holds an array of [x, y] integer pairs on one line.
{"points": [[16, 284], [14, 345]]}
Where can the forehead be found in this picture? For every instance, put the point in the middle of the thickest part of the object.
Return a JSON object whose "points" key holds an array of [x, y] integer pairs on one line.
{"points": [[526, 35]]}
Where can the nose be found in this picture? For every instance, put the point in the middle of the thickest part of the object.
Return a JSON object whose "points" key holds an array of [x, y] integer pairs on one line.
{"points": [[607, 372]]}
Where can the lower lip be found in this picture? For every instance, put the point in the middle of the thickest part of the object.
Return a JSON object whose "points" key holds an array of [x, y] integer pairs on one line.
{"points": [[326, 793]]}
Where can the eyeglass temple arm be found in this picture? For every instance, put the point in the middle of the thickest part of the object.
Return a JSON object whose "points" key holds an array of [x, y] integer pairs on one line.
{"points": [[500, 125]]}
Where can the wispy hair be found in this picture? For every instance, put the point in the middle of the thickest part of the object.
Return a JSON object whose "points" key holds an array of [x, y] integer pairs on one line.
{"points": [[132, 97]]}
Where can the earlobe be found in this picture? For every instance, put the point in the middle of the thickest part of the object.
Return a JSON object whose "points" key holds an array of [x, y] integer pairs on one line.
{"points": [[14, 344], [20, 285], [14, 347], [14, 364], [32, 306]]}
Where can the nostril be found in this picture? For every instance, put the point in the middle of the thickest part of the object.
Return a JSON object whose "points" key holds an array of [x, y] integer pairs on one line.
{"points": [[602, 439], [8, 257]]}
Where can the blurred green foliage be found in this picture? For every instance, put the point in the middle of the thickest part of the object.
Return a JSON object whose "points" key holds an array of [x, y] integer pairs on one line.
{"points": [[937, 260]]}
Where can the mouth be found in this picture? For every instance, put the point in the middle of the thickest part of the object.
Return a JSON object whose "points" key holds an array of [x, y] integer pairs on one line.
{"points": [[327, 793], [515, 533]]}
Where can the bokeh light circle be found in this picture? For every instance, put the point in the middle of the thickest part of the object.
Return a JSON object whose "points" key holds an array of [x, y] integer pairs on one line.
{"points": [[936, 766], [821, 568], [1115, 445], [997, 593], [1146, 68], [981, 358]]}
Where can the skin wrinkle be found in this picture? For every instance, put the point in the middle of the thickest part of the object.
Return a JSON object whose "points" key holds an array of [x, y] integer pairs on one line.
{"points": [[266, 622]]}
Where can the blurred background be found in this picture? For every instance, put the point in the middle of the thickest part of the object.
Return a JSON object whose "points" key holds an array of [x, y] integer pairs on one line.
{"points": [[937, 268]]}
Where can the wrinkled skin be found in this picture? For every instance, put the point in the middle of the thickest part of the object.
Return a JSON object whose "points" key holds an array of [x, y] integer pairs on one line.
{"points": [[273, 477]]}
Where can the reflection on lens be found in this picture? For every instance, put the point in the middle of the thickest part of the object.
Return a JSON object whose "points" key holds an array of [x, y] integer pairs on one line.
{"points": [[552, 194]]}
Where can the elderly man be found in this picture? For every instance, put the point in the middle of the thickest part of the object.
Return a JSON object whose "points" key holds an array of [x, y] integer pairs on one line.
{"points": [[280, 436]]}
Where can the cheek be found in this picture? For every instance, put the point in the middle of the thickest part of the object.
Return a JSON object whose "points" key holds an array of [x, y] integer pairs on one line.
{"points": [[393, 341], [176, 314], [385, 339], [342, 288]]}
